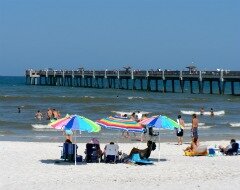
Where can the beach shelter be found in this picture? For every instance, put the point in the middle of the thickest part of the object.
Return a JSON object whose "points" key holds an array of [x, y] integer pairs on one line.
{"points": [[76, 123], [120, 123], [163, 122]]}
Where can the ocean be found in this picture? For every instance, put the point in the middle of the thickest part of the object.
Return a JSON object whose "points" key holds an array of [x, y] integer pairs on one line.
{"points": [[99, 103]]}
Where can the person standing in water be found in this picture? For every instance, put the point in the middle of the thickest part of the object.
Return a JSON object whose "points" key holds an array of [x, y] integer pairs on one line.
{"points": [[194, 126], [38, 115], [211, 112], [180, 129]]}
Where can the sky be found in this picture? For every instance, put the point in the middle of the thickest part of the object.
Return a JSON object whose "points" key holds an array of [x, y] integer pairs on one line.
{"points": [[111, 34]]}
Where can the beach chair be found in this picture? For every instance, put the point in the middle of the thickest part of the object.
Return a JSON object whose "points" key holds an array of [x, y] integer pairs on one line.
{"points": [[111, 153], [234, 150], [92, 153], [238, 152], [137, 160], [68, 152]]}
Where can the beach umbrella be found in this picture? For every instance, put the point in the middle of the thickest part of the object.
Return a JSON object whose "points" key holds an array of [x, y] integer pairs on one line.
{"points": [[76, 123], [120, 123], [60, 123], [163, 122]]}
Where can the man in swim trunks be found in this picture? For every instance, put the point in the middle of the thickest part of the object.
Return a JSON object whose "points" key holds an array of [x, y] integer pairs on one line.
{"points": [[194, 126]]}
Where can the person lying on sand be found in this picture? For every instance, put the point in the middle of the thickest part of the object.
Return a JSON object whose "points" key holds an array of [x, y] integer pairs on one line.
{"points": [[145, 153], [194, 149]]}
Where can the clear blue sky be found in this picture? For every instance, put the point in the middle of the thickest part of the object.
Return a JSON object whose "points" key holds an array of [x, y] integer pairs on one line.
{"points": [[110, 34]]}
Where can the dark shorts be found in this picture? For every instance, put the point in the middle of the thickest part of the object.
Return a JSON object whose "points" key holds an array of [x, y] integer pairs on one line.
{"points": [[195, 133], [180, 133]]}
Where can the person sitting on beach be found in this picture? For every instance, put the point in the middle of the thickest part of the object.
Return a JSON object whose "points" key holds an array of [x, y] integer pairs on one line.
{"points": [[231, 149], [68, 133], [194, 149], [111, 148], [93, 151], [144, 153], [68, 141]]}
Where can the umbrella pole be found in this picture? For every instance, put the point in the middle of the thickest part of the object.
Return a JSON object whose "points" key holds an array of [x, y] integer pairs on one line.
{"points": [[159, 147], [75, 155]]}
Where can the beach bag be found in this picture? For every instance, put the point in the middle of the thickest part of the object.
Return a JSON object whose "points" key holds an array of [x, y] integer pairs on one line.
{"points": [[211, 152]]}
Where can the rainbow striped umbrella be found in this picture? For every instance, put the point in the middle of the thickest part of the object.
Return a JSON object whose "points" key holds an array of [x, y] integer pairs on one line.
{"points": [[60, 123], [76, 122], [120, 124]]}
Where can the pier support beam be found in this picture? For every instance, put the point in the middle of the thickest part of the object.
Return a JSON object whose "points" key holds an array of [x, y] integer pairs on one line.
{"points": [[173, 86], [211, 87], [148, 84], [164, 86], [191, 86], [232, 88], [182, 85]]}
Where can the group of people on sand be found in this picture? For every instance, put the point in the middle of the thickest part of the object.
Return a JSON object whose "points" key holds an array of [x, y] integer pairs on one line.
{"points": [[52, 113], [103, 153]]}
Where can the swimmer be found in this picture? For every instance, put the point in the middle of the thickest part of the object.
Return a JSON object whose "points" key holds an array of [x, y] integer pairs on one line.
{"points": [[38, 115], [49, 114], [201, 111], [211, 111]]}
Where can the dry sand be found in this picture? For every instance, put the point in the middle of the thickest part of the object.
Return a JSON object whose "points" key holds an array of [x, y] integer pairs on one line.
{"points": [[30, 165]]}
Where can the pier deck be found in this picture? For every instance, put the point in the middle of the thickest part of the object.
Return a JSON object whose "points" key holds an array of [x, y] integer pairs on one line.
{"points": [[127, 79]]}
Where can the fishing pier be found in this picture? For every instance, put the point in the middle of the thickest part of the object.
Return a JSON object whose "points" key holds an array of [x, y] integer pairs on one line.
{"points": [[212, 82]]}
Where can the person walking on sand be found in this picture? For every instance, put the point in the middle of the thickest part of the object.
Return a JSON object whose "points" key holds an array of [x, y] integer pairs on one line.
{"points": [[180, 129], [194, 126]]}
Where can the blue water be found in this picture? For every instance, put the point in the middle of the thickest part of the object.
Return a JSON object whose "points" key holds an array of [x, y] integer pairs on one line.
{"points": [[99, 103]]}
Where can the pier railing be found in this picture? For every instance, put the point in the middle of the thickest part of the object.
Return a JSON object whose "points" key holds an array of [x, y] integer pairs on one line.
{"points": [[75, 77]]}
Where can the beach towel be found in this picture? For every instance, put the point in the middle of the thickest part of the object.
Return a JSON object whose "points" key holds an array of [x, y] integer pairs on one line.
{"points": [[137, 160]]}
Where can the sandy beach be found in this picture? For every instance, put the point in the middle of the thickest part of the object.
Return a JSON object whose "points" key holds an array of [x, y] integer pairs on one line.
{"points": [[30, 165]]}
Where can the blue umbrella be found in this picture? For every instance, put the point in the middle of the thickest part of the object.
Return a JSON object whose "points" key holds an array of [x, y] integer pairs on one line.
{"points": [[82, 124], [165, 123]]}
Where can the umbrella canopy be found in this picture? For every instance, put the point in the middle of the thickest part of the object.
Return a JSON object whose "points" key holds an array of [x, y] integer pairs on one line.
{"points": [[82, 124], [60, 123], [146, 121], [76, 122], [163, 122], [120, 124]]}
